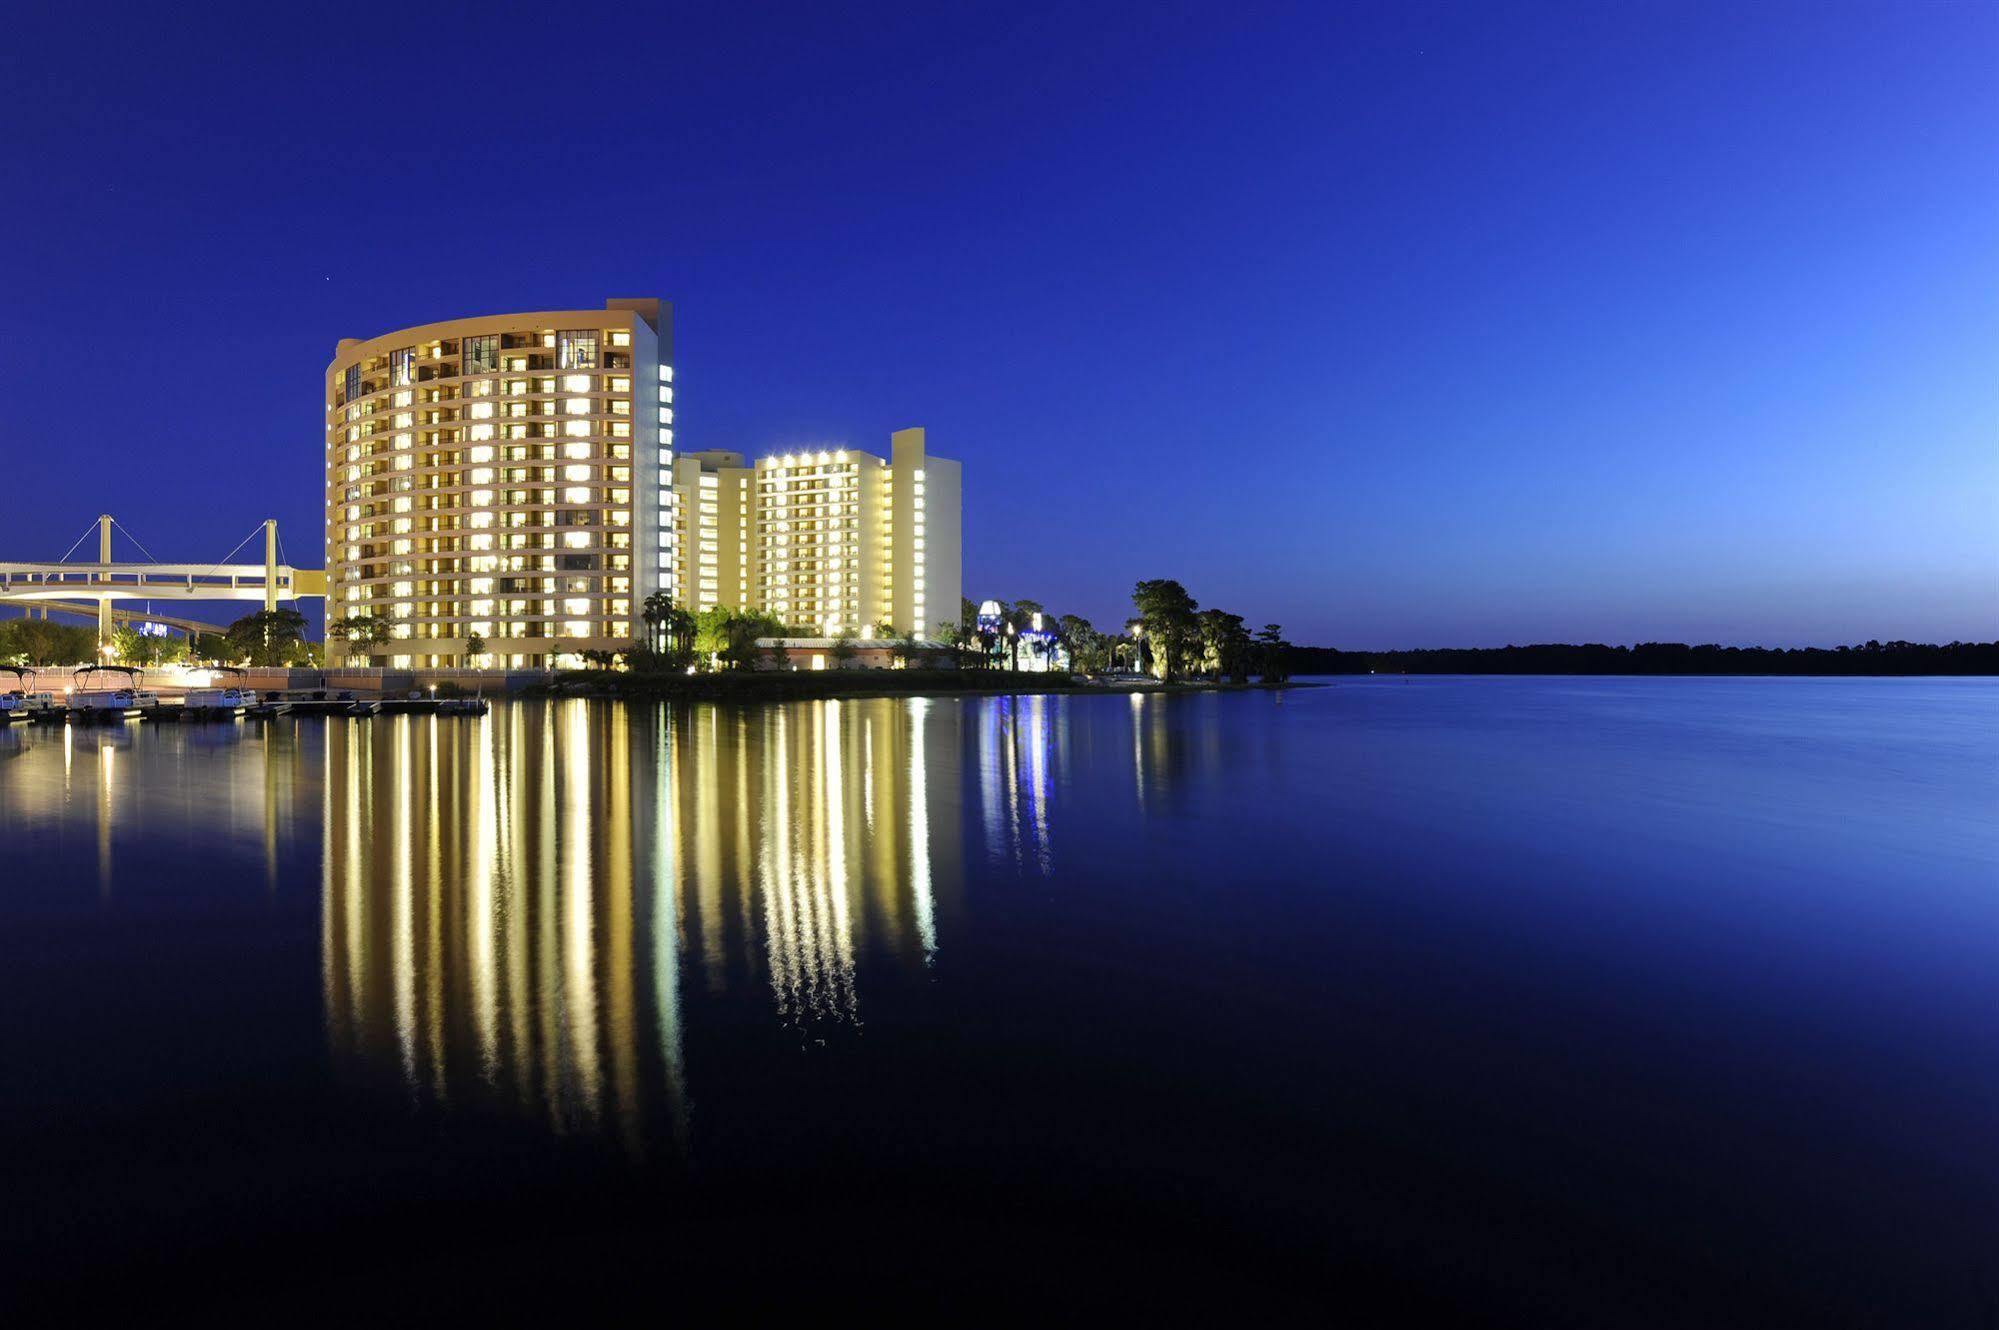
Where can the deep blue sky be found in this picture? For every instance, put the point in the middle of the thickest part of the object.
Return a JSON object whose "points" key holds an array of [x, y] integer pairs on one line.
{"points": [[1400, 325]]}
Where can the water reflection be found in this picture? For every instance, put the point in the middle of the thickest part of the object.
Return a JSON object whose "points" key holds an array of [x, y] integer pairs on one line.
{"points": [[1020, 750], [138, 788], [518, 908], [531, 909]]}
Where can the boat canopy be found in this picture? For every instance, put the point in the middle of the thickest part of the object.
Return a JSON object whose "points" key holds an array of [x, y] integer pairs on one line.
{"points": [[131, 674]]}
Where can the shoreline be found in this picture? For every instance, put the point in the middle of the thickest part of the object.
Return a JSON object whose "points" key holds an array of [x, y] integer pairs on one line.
{"points": [[789, 686]]}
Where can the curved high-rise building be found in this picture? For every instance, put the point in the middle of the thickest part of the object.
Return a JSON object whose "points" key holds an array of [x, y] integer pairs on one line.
{"points": [[502, 483]]}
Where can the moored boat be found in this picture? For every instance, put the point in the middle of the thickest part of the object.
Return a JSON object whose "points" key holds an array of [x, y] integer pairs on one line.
{"points": [[24, 701], [226, 700], [88, 703]]}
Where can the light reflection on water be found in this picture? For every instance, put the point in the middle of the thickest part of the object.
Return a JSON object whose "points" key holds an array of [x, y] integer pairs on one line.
{"points": [[514, 906]]}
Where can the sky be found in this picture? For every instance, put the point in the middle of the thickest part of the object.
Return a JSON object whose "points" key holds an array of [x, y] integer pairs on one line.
{"points": [[1400, 325]]}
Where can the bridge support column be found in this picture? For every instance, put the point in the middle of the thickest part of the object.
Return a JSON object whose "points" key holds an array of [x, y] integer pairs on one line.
{"points": [[104, 557], [270, 564]]}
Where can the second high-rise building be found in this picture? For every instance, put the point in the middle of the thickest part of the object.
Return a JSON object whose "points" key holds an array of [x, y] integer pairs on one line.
{"points": [[828, 541]]}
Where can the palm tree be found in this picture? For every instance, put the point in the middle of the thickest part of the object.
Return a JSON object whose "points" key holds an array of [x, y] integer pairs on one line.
{"points": [[656, 610]]}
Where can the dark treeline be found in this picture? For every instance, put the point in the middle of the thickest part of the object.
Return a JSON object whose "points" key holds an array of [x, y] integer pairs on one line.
{"points": [[1658, 658]]}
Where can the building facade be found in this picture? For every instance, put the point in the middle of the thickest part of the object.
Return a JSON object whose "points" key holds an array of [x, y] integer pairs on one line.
{"points": [[503, 481], [830, 542]]}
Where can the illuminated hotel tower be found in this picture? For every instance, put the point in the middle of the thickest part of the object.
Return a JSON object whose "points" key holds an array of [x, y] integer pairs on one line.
{"points": [[828, 541], [506, 478]]}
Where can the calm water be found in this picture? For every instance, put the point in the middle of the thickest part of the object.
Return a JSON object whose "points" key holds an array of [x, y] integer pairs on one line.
{"points": [[1540, 1001]]}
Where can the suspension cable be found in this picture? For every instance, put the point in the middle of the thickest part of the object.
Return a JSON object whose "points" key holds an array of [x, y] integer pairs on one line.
{"points": [[239, 545], [150, 556], [79, 540]]}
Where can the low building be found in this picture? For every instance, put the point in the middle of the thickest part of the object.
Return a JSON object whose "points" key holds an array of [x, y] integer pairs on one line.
{"points": [[824, 653]]}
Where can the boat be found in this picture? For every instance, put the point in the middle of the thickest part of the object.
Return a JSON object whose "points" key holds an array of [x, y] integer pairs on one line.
{"points": [[462, 706], [88, 703], [23, 701], [230, 699]]}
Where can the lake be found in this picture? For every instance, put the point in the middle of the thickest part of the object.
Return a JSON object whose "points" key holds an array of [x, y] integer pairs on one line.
{"points": [[1538, 1001]]}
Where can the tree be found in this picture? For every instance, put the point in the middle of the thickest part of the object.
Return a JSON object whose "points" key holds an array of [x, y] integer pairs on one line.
{"points": [[654, 610], [598, 658], [843, 649], [1089, 650], [132, 647], [268, 637], [1225, 644], [364, 630], [679, 637], [729, 637], [1166, 612], [475, 646], [952, 636], [1270, 651], [711, 632], [670, 630], [1018, 616], [45, 642]]}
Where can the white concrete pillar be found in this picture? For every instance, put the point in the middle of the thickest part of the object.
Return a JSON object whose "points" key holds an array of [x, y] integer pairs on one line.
{"points": [[103, 575], [270, 564]]}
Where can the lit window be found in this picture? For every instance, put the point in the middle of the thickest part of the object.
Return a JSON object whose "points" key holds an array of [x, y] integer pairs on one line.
{"points": [[577, 349]]}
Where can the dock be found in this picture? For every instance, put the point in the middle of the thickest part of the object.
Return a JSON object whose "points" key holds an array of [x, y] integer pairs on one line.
{"points": [[321, 704]]}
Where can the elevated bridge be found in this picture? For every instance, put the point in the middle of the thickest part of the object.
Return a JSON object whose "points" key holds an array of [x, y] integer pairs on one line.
{"points": [[70, 585], [82, 610]]}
